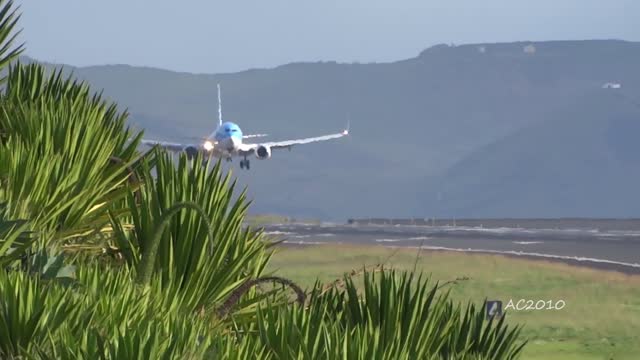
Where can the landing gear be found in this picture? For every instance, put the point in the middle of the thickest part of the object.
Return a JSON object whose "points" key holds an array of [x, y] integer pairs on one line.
{"points": [[244, 164], [228, 159]]}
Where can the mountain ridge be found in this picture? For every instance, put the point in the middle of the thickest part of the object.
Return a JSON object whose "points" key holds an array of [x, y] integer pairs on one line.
{"points": [[427, 50], [413, 120]]}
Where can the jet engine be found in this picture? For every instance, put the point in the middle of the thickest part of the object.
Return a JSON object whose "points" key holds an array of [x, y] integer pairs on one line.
{"points": [[263, 152], [191, 152]]}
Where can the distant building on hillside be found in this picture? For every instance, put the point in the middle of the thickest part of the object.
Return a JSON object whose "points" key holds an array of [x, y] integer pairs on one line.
{"points": [[482, 49], [529, 49], [612, 85]]}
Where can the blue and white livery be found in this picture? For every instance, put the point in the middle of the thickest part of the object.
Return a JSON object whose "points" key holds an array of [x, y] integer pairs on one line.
{"points": [[227, 142]]}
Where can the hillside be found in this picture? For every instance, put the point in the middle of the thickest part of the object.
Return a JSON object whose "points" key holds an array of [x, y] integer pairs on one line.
{"points": [[459, 124], [582, 161]]}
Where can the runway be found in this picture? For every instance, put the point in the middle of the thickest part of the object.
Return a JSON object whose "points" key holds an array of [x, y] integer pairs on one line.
{"points": [[603, 248]]}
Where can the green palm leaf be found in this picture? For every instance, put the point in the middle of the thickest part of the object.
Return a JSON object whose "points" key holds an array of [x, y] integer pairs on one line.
{"points": [[199, 262], [56, 157], [8, 20]]}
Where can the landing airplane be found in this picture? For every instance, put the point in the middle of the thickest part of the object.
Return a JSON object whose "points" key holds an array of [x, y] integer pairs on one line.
{"points": [[227, 141]]}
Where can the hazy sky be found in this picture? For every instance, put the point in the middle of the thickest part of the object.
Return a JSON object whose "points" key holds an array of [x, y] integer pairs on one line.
{"points": [[221, 36]]}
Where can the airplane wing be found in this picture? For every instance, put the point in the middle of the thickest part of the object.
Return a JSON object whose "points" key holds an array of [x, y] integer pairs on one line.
{"points": [[254, 136], [169, 145], [246, 149]]}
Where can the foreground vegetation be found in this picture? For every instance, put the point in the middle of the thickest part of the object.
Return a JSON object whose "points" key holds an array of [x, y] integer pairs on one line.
{"points": [[600, 320], [108, 253]]}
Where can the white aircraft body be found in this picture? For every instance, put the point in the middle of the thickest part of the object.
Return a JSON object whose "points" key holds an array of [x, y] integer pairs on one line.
{"points": [[227, 142]]}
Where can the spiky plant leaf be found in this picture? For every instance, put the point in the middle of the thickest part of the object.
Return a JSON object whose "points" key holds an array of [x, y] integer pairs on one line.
{"points": [[30, 309], [397, 316], [8, 21], [57, 154], [199, 265]]}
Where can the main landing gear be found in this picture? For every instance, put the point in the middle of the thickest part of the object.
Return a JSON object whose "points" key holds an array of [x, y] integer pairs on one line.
{"points": [[244, 164]]}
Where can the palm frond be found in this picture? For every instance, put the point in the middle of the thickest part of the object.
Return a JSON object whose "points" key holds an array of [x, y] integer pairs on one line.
{"points": [[8, 51]]}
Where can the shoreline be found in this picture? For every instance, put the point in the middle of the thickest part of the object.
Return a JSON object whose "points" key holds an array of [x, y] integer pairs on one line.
{"points": [[587, 263]]}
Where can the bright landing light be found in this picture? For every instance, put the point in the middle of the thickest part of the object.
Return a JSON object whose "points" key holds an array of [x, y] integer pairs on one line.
{"points": [[208, 145]]}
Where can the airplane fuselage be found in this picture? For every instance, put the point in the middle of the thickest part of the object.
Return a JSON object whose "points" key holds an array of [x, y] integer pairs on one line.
{"points": [[226, 139]]}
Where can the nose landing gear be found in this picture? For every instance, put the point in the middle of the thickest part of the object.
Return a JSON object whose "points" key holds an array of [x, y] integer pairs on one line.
{"points": [[244, 164]]}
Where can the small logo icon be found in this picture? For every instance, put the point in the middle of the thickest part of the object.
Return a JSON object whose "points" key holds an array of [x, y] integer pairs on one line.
{"points": [[494, 309]]}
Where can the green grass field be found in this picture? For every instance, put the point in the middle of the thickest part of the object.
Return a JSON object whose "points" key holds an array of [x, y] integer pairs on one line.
{"points": [[601, 318]]}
